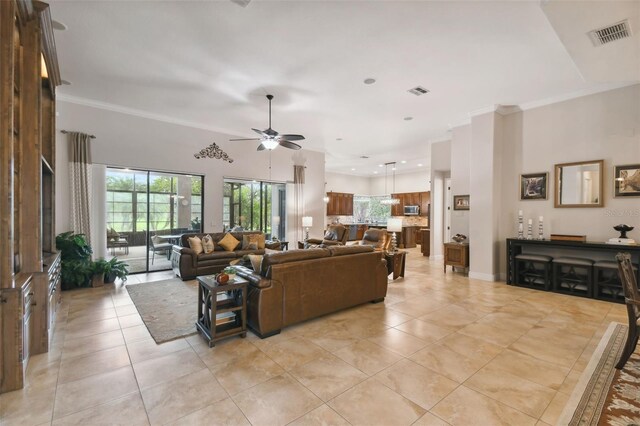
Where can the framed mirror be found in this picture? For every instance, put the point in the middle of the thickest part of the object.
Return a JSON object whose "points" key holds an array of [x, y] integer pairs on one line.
{"points": [[579, 184]]}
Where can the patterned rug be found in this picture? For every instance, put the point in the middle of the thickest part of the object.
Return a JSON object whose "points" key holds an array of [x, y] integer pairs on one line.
{"points": [[604, 395], [168, 308]]}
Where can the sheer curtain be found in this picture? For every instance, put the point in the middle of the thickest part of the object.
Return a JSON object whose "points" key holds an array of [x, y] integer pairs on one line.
{"points": [[298, 199], [80, 170]]}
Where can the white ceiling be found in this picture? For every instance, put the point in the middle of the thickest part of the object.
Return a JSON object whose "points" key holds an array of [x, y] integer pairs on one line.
{"points": [[211, 63]]}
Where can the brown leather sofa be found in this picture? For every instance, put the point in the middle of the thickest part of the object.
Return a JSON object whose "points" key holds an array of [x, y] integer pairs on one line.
{"points": [[297, 285], [334, 235], [187, 265]]}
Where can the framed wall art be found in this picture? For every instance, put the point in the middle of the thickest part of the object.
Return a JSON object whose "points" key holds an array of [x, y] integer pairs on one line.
{"points": [[627, 180], [533, 186], [461, 202]]}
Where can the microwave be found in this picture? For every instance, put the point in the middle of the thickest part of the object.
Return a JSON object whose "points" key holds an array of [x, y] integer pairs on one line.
{"points": [[411, 210]]}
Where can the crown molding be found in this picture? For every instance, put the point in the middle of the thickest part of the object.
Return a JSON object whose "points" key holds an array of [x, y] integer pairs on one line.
{"points": [[577, 94]]}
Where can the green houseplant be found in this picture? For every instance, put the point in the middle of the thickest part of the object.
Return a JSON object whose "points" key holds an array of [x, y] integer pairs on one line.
{"points": [[99, 269], [75, 252], [115, 268]]}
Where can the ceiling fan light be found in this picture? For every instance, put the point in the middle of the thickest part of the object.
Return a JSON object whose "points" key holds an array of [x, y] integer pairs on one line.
{"points": [[270, 143]]}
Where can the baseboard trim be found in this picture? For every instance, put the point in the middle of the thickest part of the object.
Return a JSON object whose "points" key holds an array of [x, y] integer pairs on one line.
{"points": [[436, 257], [483, 277]]}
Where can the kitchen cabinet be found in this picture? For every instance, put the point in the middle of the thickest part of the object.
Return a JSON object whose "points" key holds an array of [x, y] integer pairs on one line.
{"points": [[421, 199], [425, 242], [409, 234], [397, 209], [340, 204], [425, 203]]}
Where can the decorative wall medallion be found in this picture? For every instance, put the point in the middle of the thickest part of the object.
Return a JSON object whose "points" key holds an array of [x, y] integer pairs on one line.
{"points": [[213, 151]]}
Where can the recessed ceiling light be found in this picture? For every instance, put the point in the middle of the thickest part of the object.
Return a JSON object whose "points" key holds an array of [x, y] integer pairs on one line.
{"points": [[404, 162], [57, 25], [338, 139], [408, 118], [369, 80], [380, 165], [419, 164], [353, 170], [375, 173], [65, 82], [393, 168]]}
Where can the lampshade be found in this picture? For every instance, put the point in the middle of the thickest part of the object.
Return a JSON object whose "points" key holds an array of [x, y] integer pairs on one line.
{"points": [[307, 221], [394, 225], [270, 143]]}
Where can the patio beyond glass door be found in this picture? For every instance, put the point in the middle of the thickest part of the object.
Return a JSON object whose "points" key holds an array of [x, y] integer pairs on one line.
{"points": [[149, 211]]}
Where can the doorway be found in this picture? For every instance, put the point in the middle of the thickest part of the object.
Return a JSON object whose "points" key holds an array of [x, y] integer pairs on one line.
{"points": [[147, 212]]}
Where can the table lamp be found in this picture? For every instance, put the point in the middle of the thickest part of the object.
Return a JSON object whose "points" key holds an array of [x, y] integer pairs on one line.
{"points": [[307, 222], [394, 225], [275, 225]]}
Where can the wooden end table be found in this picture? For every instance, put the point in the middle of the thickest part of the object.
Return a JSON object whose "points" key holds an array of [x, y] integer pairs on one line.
{"points": [[222, 309], [456, 254], [395, 263]]}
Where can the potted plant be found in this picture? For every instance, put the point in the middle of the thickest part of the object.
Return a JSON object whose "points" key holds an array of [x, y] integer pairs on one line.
{"points": [[231, 271], [115, 268], [75, 253], [99, 269]]}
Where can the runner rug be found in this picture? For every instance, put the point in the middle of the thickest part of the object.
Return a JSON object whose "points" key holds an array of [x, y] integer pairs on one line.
{"points": [[604, 395]]}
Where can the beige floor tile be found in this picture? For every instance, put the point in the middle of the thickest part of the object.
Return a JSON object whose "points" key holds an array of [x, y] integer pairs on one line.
{"points": [[465, 407], [41, 374], [372, 403], [93, 390], [88, 316], [89, 329], [130, 320], [128, 410], [223, 413], [398, 341], [523, 395], [367, 357], [570, 382], [94, 363], [331, 338], [321, 416], [488, 333], [294, 352], [430, 420], [277, 401], [264, 344], [416, 309], [452, 316], [148, 349], [535, 370], [424, 330], [245, 372], [26, 406], [226, 351], [177, 398], [135, 333], [472, 347], [554, 410], [541, 349], [386, 315], [167, 367], [364, 327], [448, 363], [328, 376], [86, 345], [124, 310], [416, 383]]}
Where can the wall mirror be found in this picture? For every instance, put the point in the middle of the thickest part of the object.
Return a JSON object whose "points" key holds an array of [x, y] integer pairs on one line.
{"points": [[579, 184]]}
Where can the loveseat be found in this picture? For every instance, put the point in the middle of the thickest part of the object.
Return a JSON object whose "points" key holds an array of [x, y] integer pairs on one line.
{"points": [[187, 265], [297, 285]]}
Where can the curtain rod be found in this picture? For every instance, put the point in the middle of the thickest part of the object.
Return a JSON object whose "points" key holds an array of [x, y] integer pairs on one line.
{"points": [[66, 131]]}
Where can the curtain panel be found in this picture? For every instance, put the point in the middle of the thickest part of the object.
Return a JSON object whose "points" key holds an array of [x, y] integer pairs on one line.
{"points": [[80, 171], [298, 200]]}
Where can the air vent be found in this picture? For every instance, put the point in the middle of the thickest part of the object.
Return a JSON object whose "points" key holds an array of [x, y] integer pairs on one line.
{"points": [[243, 3], [611, 33], [418, 91], [364, 157]]}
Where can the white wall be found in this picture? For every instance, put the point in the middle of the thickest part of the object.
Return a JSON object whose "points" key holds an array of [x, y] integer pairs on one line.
{"points": [[339, 182], [405, 182], [136, 142], [460, 146], [440, 170]]}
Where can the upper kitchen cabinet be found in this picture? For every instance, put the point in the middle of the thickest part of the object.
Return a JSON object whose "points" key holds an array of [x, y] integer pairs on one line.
{"points": [[340, 204]]}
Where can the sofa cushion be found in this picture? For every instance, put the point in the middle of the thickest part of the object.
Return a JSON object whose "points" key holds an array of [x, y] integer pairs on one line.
{"points": [[290, 256], [345, 250], [241, 253], [195, 243], [256, 261], [216, 255], [207, 244], [229, 242]]}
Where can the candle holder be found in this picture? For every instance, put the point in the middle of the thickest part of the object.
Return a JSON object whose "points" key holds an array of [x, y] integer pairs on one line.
{"points": [[520, 227], [540, 231], [530, 232]]}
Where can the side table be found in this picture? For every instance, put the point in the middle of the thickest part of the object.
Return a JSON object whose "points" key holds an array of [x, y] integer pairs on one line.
{"points": [[396, 263], [456, 254], [222, 309]]}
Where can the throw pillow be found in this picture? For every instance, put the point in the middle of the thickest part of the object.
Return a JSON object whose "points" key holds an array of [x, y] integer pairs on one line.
{"points": [[256, 262], [252, 246], [207, 244], [229, 242], [252, 238], [115, 234], [196, 245]]}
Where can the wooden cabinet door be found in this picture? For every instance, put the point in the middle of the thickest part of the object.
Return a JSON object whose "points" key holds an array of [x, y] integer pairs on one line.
{"points": [[347, 205], [333, 204], [425, 201], [397, 209]]}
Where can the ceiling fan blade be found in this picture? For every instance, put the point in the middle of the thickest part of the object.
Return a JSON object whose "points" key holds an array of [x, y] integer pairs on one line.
{"points": [[260, 132], [261, 147], [252, 139], [292, 137], [288, 144], [270, 132]]}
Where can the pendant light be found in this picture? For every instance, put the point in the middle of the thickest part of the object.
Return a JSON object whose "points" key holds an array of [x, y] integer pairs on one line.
{"points": [[388, 200]]}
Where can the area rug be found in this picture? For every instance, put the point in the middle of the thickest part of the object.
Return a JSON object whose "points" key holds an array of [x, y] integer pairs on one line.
{"points": [[604, 395], [169, 308]]}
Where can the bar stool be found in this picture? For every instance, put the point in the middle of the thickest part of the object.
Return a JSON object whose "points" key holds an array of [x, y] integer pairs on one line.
{"points": [[573, 275], [533, 271], [607, 285]]}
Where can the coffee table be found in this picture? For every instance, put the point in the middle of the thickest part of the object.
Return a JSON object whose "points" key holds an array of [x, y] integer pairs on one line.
{"points": [[222, 309]]}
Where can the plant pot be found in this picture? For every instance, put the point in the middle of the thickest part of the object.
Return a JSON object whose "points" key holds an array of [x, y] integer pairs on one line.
{"points": [[110, 278], [97, 280]]}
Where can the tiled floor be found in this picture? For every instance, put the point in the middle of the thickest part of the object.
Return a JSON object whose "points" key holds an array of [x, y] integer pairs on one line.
{"points": [[442, 349]]}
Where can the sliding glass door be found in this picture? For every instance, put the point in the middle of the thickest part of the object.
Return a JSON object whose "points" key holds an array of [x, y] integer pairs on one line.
{"points": [[147, 211], [255, 205]]}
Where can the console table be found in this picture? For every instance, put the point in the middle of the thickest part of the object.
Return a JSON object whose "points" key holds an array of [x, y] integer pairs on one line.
{"points": [[456, 254], [222, 308], [608, 251]]}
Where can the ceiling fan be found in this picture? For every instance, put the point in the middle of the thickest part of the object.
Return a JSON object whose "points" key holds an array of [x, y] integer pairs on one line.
{"points": [[270, 139]]}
